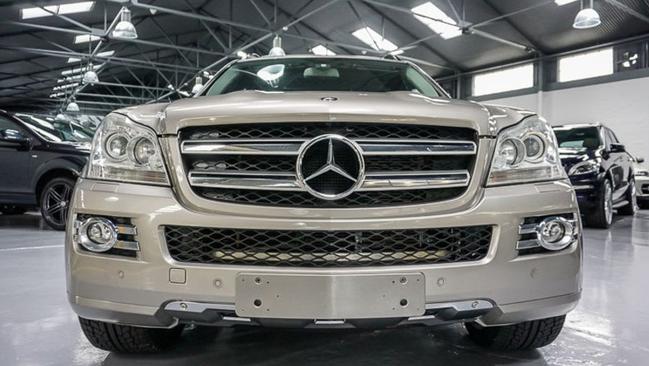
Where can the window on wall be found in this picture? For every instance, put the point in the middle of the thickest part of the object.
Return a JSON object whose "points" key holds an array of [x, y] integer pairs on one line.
{"points": [[586, 65], [513, 78]]}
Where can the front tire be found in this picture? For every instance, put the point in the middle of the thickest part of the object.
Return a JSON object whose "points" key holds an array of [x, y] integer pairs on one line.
{"points": [[55, 201], [630, 195], [602, 215], [517, 337], [129, 339]]}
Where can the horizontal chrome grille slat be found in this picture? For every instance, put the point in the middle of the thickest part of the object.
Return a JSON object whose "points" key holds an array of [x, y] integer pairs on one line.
{"points": [[284, 181], [527, 244], [370, 147], [392, 163]]}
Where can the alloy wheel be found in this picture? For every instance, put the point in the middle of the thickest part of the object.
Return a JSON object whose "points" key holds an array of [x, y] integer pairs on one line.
{"points": [[56, 203]]}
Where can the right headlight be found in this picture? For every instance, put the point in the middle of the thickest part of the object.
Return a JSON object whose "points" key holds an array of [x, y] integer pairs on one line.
{"points": [[585, 167], [526, 152], [123, 150]]}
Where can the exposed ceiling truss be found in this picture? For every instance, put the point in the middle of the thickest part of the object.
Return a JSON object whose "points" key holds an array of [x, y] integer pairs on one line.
{"points": [[163, 62]]}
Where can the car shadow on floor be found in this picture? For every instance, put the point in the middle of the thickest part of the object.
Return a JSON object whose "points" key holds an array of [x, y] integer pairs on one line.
{"points": [[29, 220], [260, 346]]}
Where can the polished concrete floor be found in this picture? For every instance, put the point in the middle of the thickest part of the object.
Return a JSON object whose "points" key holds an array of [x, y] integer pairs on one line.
{"points": [[610, 326]]}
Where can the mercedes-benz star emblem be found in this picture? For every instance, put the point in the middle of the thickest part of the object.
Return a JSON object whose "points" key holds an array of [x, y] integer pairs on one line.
{"points": [[330, 167]]}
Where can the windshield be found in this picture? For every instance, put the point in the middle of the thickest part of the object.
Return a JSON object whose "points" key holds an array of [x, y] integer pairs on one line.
{"points": [[578, 138], [57, 131], [322, 74]]}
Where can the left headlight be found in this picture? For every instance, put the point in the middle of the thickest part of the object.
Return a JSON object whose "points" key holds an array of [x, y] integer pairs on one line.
{"points": [[526, 152], [123, 150]]}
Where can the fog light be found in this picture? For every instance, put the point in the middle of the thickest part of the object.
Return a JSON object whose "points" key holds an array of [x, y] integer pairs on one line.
{"points": [[97, 234], [555, 233]]}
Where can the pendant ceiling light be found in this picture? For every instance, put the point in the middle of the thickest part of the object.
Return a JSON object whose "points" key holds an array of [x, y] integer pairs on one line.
{"points": [[125, 29], [72, 107], [277, 49], [90, 77], [198, 85], [587, 18]]}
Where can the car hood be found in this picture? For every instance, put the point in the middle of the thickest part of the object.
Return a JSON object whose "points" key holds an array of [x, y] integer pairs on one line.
{"points": [[269, 107]]}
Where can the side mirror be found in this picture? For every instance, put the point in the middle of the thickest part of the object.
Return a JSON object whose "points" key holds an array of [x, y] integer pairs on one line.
{"points": [[639, 160], [15, 137], [618, 148]]}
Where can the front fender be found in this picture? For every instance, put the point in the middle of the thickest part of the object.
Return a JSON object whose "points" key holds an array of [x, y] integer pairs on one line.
{"points": [[72, 164]]}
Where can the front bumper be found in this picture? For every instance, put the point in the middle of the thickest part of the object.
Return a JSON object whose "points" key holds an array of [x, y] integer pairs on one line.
{"points": [[151, 289], [587, 189], [642, 187]]}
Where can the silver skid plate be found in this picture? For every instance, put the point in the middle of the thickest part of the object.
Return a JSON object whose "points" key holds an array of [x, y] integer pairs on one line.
{"points": [[307, 296]]}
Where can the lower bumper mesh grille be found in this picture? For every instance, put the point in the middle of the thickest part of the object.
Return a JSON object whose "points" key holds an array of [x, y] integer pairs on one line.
{"points": [[327, 248]]}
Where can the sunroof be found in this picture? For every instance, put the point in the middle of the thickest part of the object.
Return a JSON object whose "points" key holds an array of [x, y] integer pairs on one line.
{"points": [[50, 10], [373, 39], [437, 20]]}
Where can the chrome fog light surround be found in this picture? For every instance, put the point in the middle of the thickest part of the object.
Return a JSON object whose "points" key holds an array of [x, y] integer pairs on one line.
{"points": [[555, 233], [551, 233], [97, 234]]}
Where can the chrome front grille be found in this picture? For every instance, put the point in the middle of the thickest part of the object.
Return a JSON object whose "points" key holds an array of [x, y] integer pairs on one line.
{"points": [[256, 164]]}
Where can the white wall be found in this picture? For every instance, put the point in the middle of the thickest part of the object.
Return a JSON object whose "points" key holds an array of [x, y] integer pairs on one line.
{"points": [[622, 105]]}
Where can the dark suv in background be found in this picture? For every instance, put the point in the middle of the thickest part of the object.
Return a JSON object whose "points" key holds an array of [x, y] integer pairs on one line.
{"points": [[40, 161], [601, 171]]}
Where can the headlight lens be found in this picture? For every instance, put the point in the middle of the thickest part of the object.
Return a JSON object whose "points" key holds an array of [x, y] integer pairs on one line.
{"points": [[123, 150], [526, 152], [585, 167]]}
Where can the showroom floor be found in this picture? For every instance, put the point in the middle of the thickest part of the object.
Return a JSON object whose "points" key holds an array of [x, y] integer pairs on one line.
{"points": [[37, 326]]}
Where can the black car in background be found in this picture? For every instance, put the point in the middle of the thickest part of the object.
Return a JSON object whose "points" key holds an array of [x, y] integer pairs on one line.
{"points": [[601, 171], [39, 164]]}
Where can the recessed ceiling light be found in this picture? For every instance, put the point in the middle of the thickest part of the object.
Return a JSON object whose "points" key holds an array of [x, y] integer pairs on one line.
{"points": [[80, 70], [85, 38], [321, 50], [446, 28], [100, 54], [373, 39], [50, 10], [66, 86], [564, 2]]}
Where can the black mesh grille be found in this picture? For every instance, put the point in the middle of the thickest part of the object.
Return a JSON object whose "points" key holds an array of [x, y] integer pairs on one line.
{"points": [[327, 248], [310, 130], [356, 199]]}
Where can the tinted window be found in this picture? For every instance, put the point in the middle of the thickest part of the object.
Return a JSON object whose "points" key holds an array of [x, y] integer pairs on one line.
{"points": [[611, 136], [322, 74], [578, 138], [55, 131], [7, 124]]}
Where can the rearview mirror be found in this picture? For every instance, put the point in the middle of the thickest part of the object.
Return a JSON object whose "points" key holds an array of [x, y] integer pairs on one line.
{"points": [[618, 148], [15, 137]]}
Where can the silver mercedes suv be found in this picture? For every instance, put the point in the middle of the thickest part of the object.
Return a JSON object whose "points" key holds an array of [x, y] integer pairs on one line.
{"points": [[322, 192]]}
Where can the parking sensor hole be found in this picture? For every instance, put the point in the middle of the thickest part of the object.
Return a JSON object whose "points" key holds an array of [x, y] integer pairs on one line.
{"points": [[403, 303], [257, 303]]}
